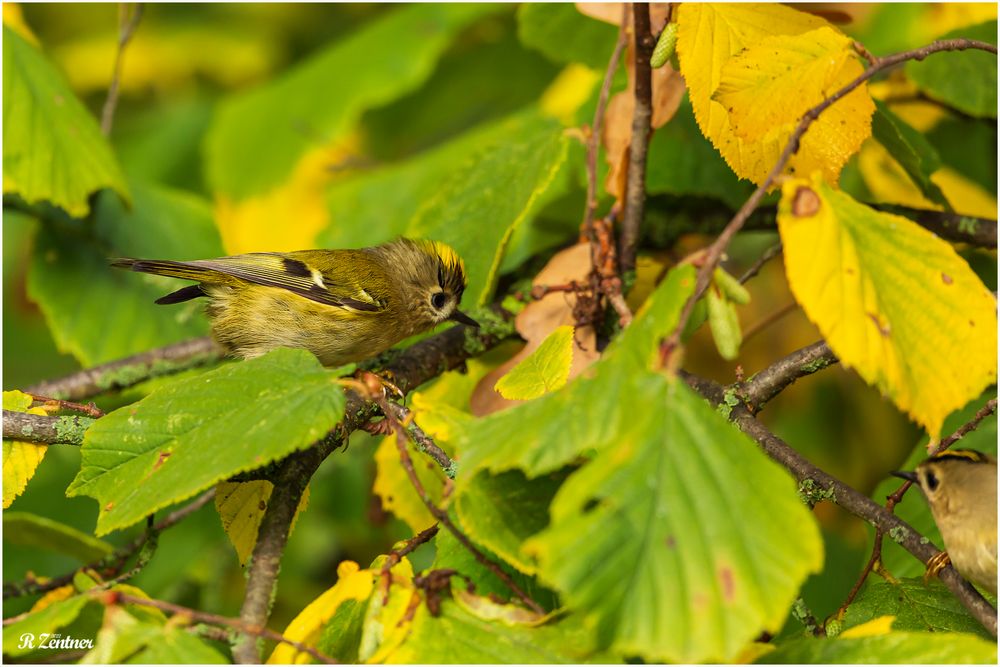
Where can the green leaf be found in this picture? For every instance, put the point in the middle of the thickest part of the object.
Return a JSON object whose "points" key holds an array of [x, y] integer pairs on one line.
{"points": [[898, 648], [460, 635], [341, 637], [31, 530], [174, 645], [565, 35], [46, 621], [914, 509], [668, 528], [543, 371], [683, 162], [501, 511], [917, 606], [258, 137], [449, 553], [72, 283], [910, 149], [193, 433], [53, 149], [477, 209], [555, 429], [965, 80], [378, 205]]}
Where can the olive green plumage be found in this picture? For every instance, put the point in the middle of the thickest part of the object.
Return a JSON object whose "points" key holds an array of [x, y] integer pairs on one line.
{"points": [[961, 488], [341, 305]]}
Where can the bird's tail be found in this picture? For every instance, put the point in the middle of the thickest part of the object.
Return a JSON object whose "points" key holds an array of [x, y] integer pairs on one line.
{"points": [[165, 267]]}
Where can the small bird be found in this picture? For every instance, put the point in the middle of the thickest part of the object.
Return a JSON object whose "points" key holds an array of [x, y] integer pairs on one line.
{"points": [[961, 488], [342, 305]]}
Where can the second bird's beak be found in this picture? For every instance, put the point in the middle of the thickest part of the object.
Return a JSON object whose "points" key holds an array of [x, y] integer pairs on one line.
{"points": [[903, 474], [459, 316]]}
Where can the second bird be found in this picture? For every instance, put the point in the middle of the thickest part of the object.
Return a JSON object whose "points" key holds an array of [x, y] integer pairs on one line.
{"points": [[341, 305]]}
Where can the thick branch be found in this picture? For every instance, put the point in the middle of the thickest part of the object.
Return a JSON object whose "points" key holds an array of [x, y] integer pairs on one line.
{"points": [[771, 381], [715, 251], [64, 430], [642, 116], [130, 371]]}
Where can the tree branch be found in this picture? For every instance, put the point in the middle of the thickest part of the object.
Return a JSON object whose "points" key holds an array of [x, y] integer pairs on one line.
{"points": [[45, 429], [771, 381], [131, 370], [715, 251], [642, 116]]}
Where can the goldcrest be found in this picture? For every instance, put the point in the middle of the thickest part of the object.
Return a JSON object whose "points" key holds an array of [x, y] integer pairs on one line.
{"points": [[341, 305], [961, 488]]}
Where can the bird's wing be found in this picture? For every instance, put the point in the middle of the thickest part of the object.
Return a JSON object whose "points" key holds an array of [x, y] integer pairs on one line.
{"points": [[340, 284]]}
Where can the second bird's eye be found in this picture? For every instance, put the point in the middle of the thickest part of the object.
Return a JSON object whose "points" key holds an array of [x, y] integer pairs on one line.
{"points": [[438, 300]]}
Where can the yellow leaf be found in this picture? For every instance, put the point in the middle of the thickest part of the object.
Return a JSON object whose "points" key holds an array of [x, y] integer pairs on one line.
{"points": [[893, 300], [777, 80], [53, 596], [710, 35], [490, 610], [570, 90], [289, 216], [393, 485], [887, 180], [352, 584], [543, 371], [13, 18], [20, 459], [877, 626], [967, 197], [241, 507]]}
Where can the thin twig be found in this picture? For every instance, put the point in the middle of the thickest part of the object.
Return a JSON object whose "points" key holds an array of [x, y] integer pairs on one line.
{"points": [[755, 268], [88, 409], [642, 117], [758, 326], [127, 23], [113, 563], [718, 247], [594, 138], [115, 597], [423, 441], [442, 516], [396, 555]]}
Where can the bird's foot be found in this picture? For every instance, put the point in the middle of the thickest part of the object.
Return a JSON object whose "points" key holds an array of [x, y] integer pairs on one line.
{"points": [[936, 564]]}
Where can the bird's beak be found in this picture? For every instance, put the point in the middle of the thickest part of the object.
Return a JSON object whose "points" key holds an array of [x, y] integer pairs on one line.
{"points": [[902, 474], [459, 316]]}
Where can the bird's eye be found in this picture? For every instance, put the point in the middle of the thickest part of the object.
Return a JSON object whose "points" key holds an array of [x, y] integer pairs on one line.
{"points": [[438, 300], [931, 481]]}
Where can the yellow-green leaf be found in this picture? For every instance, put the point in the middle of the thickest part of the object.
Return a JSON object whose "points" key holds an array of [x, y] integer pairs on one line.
{"points": [[352, 584], [393, 485], [725, 324], [893, 300], [711, 35], [544, 370], [241, 506], [20, 459]]}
